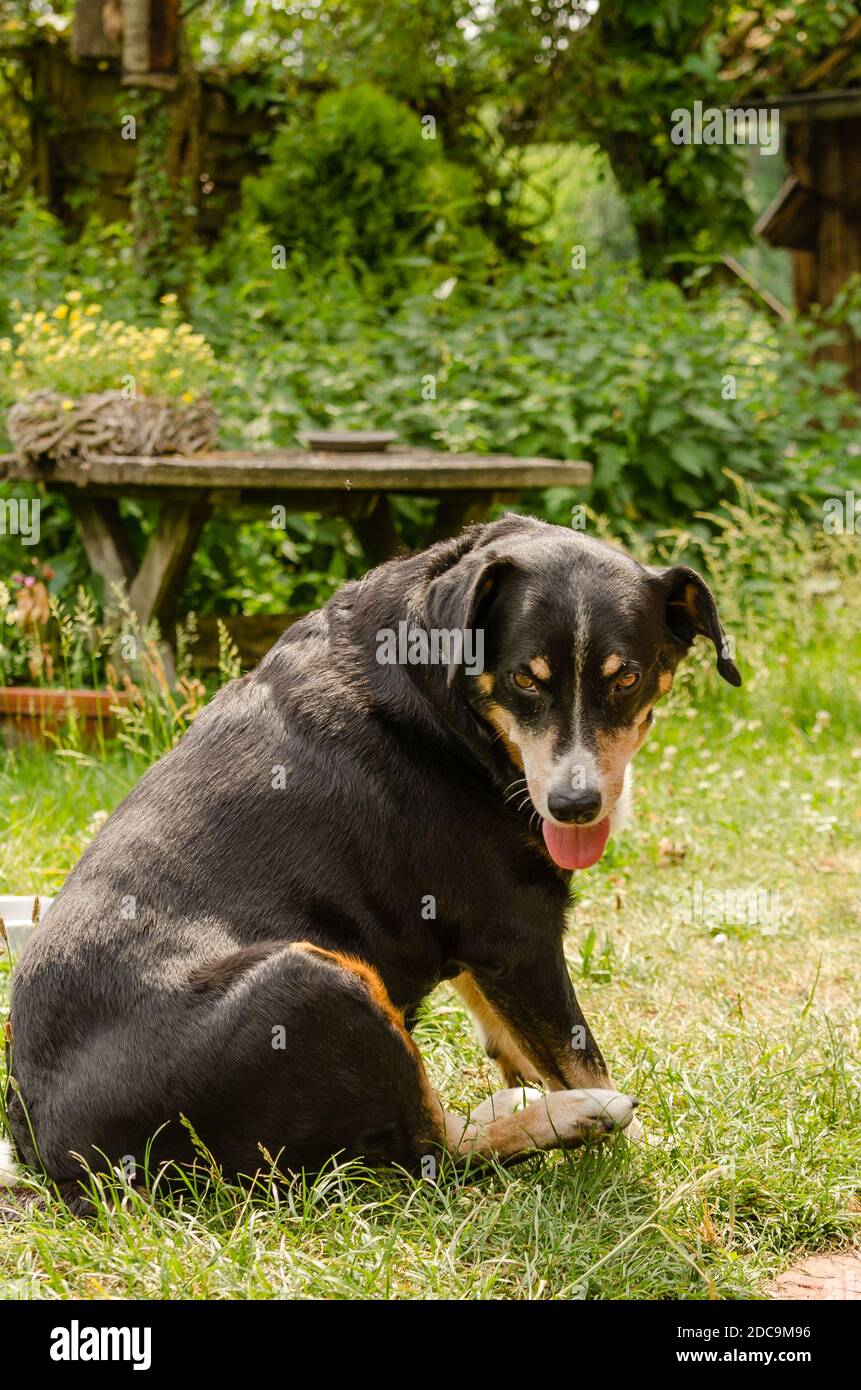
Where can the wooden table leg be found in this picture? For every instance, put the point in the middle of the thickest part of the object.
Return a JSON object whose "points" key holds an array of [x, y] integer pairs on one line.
{"points": [[158, 583], [377, 533], [154, 589], [105, 543], [461, 508]]}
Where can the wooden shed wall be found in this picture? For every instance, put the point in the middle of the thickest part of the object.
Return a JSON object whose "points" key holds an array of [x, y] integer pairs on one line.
{"points": [[79, 150], [826, 157]]}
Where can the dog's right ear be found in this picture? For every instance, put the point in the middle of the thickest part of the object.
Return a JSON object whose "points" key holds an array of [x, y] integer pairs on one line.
{"points": [[461, 597]]}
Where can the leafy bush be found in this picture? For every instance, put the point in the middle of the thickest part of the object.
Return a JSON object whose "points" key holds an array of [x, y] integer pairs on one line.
{"points": [[629, 374], [662, 393], [358, 183], [40, 261]]}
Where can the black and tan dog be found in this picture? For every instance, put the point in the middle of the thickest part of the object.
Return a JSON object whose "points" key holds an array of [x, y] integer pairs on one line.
{"points": [[246, 941]]}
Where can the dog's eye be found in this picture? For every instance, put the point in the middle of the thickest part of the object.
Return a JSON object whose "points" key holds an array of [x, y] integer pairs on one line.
{"points": [[524, 682], [628, 680]]}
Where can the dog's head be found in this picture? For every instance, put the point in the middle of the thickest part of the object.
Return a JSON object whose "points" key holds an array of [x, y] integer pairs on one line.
{"points": [[579, 643]]}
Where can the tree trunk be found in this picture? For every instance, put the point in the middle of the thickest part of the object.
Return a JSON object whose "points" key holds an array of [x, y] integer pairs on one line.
{"points": [[165, 189]]}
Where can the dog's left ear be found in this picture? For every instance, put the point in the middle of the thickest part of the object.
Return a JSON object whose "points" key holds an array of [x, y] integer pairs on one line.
{"points": [[691, 611], [461, 597]]}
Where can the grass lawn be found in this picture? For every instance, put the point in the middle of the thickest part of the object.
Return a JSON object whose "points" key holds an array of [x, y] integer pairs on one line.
{"points": [[740, 1037]]}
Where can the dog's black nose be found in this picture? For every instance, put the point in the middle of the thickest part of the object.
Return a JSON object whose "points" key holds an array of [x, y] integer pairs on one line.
{"points": [[575, 808]]}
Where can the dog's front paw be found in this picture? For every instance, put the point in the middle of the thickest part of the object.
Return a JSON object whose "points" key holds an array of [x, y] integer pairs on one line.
{"points": [[577, 1117], [608, 1110]]}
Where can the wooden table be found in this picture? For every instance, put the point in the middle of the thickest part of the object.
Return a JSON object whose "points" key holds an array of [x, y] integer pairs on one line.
{"points": [[356, 486]]}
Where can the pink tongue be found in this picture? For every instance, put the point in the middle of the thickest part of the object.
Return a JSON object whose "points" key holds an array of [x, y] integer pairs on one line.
{"points": [[576, 846]]}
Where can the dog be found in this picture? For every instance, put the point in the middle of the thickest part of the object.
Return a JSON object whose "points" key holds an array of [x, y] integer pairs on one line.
{"points": [[238, 957]]}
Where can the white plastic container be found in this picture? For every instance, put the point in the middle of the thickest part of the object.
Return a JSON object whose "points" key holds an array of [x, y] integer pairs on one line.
{"points": [[17, 913]]}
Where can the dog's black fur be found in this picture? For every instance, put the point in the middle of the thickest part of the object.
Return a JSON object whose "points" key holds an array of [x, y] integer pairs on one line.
{"points": [[329, 799]]}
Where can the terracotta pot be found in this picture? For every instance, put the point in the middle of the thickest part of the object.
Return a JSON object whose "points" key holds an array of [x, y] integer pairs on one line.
{"points": [[33, 712]]}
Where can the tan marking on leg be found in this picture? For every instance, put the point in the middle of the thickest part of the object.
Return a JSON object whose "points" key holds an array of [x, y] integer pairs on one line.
{"points": [[611, 665], [485, 683], [511, 1055], [370, 979], [496, 1039], [434, 1135], [540, 667]]}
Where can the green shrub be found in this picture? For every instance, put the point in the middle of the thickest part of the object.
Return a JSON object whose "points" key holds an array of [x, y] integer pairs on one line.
{"points": [[359, 183], [628, 374], [662, 393], [40, 261]]}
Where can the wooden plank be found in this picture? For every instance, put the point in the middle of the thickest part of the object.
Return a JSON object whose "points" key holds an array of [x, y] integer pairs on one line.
{"points": [[755, 291], [244, 504], [791, 218], [163, 34], [815, 106], [89, 39], [414, 470], [377, 533]]}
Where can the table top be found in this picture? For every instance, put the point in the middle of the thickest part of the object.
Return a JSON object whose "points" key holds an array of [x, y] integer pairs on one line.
{"points": [[398, 469]]}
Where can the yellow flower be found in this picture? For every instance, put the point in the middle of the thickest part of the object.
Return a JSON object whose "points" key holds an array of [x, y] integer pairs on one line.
{"points": [[167, 299], [18, 327], [187, 396], [37, 318], [75, 316], [68, 405], [93, 309], [61, 311], [5, 344], [174, 373], [73, 296]]}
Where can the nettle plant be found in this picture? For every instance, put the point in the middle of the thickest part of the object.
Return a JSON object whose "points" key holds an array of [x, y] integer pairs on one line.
{"points": [[74, 350]]}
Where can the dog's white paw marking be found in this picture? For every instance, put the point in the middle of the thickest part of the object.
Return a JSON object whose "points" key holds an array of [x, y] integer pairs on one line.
{"points": [[503, 1103], [8, 1166], [613, 1107]]}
